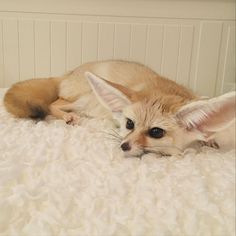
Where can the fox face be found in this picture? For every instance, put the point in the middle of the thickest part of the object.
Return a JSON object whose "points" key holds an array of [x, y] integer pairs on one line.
{"points": [[160, 123], [149, 127], [144, 127]]}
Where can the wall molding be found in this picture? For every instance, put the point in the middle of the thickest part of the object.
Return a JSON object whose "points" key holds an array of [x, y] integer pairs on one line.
{"points": [[192, 9]]}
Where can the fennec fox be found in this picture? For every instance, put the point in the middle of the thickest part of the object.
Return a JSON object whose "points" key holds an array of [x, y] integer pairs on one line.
{"points": [[155, 114]]}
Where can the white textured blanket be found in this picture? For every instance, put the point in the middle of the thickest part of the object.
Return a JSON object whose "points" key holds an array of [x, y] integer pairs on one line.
{"points": [[59, 180]]}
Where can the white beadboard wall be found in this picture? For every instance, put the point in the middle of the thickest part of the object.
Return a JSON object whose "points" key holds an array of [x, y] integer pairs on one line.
{"points": [[191, 42]]}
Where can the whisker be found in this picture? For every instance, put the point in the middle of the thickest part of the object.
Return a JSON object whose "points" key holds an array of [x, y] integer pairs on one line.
{"points": [[111, 135], [116, 132], [117, 145], [107, 132], [115, 142], [113, 139]]}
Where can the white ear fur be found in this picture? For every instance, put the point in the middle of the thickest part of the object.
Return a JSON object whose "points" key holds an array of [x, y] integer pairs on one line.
{"points": [[110, 97], [210, 115]]}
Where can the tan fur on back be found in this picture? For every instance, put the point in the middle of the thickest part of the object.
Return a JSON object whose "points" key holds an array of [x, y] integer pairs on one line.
{"points": [[74, 88], [132, 76]]}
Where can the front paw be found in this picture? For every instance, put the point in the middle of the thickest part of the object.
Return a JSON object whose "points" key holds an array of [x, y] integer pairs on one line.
{"points": [[71, 118], [210, 143]]}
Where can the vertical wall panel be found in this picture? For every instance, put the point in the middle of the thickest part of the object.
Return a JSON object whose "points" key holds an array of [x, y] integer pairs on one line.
{"points": [[122, 41], [11, 52], [74, 41], [198, 54], [170, 51], [208, 57], [89, 41], [58, 47], [1, 57], [105, 41], [138, 42], [42, 48], [185, 53], [154, 47], [229, 62], [26, 49]]}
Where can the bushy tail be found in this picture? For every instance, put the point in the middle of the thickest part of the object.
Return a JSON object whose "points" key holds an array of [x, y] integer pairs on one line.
{"points": [[31, 98]]}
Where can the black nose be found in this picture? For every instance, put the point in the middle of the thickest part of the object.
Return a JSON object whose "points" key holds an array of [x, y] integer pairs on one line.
{"points": [[125, 146]]}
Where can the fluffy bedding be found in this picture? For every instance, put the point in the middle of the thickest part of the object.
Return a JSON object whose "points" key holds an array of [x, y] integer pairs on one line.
{"points": [[61, 180]]}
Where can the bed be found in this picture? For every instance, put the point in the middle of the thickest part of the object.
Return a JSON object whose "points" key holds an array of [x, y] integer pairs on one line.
{"points": [[57, 179]]}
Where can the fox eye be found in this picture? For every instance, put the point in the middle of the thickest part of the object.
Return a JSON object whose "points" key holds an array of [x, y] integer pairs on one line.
{"points": [[129, 124], [156, 132]]}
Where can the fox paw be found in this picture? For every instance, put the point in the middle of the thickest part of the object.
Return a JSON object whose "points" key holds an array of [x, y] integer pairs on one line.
{"points": [[210, 143], [71, 118]]}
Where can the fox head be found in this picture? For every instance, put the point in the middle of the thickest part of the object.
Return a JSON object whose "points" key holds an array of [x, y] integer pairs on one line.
{"points": [[162, 124]]}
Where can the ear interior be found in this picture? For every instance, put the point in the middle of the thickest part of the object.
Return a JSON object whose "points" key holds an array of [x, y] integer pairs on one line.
{"points": [[209, 115], [114, 99]]}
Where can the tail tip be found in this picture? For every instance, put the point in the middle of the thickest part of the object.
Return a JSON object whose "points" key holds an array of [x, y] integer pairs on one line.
{"points": [[37, 112]]}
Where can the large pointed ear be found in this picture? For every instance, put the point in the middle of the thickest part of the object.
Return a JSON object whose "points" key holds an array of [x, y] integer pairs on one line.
{"points": [[210, 115], [113, 96]]}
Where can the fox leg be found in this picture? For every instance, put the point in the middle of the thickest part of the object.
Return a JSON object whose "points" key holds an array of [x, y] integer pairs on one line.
{"points": [[61, 109]]}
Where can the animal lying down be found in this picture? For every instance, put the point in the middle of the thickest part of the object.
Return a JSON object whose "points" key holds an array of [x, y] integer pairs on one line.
{"points": [[154, 114]]}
